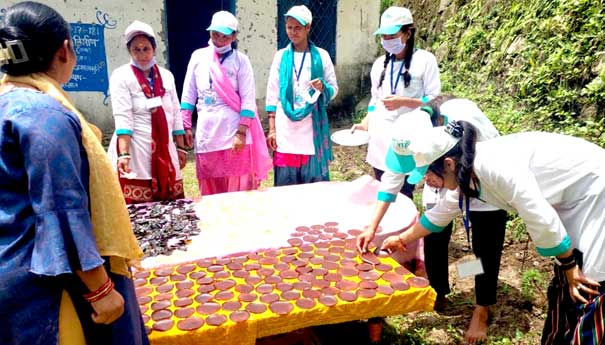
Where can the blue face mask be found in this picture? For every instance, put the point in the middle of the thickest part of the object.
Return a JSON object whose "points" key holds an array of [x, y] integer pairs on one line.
{"points": [[146, 67], [393, 46]]}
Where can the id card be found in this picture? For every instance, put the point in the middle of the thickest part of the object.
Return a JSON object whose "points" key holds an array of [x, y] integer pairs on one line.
{"points": [[470, 268], [154, 102], [210, 98]]}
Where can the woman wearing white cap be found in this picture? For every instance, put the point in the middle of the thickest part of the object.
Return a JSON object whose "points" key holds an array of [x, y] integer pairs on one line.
{"points": [[301, 84], [231, 153], [488, 223], [555, 183], [402, 80], [148, 144]]}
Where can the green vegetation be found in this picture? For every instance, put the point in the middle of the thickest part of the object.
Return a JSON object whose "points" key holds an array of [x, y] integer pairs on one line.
{"points": [[532, 282], [532, 65]]}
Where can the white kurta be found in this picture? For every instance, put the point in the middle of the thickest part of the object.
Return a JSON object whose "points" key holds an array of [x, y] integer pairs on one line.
{"points": [[296, 136], [425, 82], [130, 114], [217, 122], [453, 110], [555, 183]]}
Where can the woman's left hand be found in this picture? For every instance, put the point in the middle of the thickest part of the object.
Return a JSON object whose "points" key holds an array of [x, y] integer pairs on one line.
{"points": [[239, 140], [392, 244], [182, 159], [317, 84], [579, 283]]}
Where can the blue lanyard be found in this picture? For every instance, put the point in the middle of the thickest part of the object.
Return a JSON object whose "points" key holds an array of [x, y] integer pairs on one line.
{"points": [[301, 65], [465, 216], [394, 88], [226, 55], [150, 80]]}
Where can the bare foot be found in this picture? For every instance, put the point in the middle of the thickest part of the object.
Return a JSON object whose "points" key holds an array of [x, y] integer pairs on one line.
{"points": [[477, 330]]}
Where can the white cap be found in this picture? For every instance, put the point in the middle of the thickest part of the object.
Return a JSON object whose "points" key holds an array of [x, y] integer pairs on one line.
{"points": [[460, 109], [138, 28], [399, 157], [392, 19], [223, 22], [301, 13], [428, 146]]}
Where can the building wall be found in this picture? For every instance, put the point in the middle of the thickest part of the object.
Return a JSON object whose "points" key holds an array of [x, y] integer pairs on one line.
{"points": [[356, 47], [117, 15]]}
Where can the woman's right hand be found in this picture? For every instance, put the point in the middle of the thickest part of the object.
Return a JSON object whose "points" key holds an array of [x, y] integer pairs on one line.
{"points": [[189, 138], [364, 239], [272, 141], [124, 165], [359, 126], [108, 309]]}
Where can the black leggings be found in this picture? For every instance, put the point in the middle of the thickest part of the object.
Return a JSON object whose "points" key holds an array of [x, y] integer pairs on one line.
{"points": [[488, 228]]}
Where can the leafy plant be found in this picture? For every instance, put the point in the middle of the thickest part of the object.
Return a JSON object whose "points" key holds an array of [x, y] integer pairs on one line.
{"points": [[532, 281]]}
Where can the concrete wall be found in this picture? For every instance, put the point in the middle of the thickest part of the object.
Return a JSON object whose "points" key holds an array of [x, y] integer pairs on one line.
{"points": [[355, 44], [355, 48], [118, 14], [258, 39]]}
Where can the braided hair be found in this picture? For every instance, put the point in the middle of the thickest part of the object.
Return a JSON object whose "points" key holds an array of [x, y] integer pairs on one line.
{"points": [[407, 59], [463, 154]]}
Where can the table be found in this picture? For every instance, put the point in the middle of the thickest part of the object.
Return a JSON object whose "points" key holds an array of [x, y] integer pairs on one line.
{"points": [[240, 230]]}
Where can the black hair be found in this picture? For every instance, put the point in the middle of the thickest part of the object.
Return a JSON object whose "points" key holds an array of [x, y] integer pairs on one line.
{"points": [[435, 108], [234, 44], [407, 59], [149, 38], [40, 29], [463, 154]]}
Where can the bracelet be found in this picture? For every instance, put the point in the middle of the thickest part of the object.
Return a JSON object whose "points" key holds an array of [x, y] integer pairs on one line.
{"points": [[569, 266], [178, 147], [182, 150], [270, 116], [241, 132], [101, 292], [123, 154]]}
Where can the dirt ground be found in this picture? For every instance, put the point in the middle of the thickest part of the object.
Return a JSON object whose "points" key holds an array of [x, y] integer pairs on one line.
{"points": [[518, 317]]}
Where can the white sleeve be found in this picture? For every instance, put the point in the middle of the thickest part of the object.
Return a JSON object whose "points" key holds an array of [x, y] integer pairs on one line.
{"points": [[272, 97], [329, 73], [432, 82], [390, 185], [446, 209], [246, 86], [121, 102], [521, 191]]}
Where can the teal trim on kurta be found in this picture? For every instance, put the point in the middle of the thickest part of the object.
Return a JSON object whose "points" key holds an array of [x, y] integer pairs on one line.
{"points": [[386, 197], [178, 132], [124, 132], [187, 106], [426, 223], [270, 108], [564, 246], [246, 113], [425, 99], [371, 108]]}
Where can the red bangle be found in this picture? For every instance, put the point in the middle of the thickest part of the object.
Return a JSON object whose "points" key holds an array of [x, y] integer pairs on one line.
{"points": [[101, 292]]}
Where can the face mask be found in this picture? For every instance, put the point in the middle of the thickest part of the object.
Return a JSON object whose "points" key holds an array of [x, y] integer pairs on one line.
{"points": [[222, 50], [145, 67], [393, 46]]}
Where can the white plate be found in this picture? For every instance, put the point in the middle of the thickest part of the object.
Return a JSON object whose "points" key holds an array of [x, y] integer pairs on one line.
{"points": [[344, 137]]}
